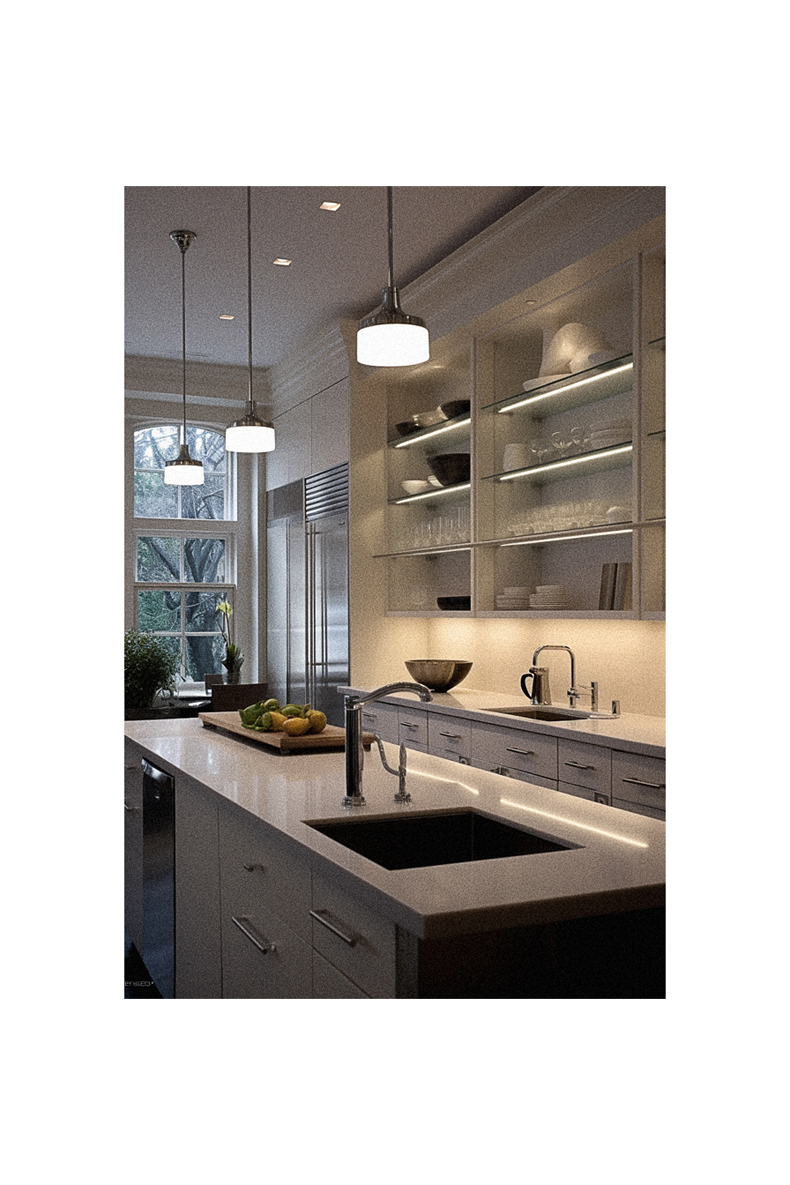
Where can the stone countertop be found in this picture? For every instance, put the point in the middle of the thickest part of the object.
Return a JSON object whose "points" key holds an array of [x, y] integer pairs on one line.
{"points": [[618, 863], [645, 735]]}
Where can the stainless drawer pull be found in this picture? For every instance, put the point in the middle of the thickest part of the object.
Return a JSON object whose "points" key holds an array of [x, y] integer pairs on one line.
{"points": [[263, 945], [253, 867], [318, 915], [130, 808], [578, 765], [650, 785], [370, 716], [413, 727], [523, 752], [451, 736]]}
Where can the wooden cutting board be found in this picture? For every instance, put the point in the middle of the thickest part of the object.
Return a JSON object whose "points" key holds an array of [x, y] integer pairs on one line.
{"points": [[331, 738]]}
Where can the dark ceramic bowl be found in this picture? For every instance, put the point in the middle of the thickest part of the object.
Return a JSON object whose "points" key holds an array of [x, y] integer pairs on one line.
{"points": [[454, 602], [438, 674], [456, 407], [450, 468], [406, 427]]}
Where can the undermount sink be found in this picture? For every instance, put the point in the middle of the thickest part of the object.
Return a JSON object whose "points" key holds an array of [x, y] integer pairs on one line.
{"points": [[531, 712], [421, 841]]}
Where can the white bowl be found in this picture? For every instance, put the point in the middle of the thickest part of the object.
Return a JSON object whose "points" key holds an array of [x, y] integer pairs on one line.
{"points": [[416, 487]]}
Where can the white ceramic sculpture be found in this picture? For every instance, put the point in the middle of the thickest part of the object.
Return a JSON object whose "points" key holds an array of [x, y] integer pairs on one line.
{"points": [[569, 350]]}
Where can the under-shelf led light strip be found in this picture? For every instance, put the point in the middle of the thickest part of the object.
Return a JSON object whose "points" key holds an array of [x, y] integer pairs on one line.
{"points": [[436, 432], [433, 493], [565, 538], [625, 448], [561, 390]]}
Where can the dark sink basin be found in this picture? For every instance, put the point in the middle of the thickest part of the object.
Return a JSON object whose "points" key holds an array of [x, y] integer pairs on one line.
{"points": [[530, 713], [420, 841]]}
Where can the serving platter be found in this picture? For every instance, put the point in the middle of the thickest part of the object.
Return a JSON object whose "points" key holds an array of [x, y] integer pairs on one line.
{"points": [[331, 738]]}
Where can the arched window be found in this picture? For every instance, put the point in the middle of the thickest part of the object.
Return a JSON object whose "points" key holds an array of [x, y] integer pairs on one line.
{"points": [[184, 561]]}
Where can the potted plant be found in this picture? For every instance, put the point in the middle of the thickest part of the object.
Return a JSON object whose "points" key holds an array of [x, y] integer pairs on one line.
{"points": [[234, 659], [149, 666]]}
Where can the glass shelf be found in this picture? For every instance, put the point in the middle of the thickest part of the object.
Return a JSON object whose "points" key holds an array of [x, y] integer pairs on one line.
{"points": [[587, 386], [600, 461], [422, 434], [429, 494]]}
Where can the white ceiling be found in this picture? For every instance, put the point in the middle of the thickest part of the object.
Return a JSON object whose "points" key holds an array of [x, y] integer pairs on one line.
{"points": [[339, 259]]}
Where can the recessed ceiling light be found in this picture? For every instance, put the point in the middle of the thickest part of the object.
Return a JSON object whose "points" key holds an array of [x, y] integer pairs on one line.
{"points": [[329, 206], [226, 316], [283, 262]]}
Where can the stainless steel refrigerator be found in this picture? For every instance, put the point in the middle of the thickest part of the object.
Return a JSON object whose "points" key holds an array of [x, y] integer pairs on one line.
{"points": [[307, 649]]}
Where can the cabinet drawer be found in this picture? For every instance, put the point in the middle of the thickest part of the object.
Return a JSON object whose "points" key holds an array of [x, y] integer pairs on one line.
{"points": [[383, 720], [514, 749], [331, 984], [519, 775], [585, 765], [249, 973], [639, 809], [259, 872], [639, 780], [449, 736], [413, 728], [355, 939], [591, 795]]}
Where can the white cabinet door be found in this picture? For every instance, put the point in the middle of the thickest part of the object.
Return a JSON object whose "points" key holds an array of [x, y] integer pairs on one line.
{"points": [[265, 911], [413, 728], [586, 765], [354, 938], [639, 784], [517, 750], [198, 962], [381, 719], [449, 737]]}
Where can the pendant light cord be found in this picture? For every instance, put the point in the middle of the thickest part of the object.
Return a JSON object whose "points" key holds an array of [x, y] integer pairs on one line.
{"points": [[184, 342], [389, 234], [249, 298]]}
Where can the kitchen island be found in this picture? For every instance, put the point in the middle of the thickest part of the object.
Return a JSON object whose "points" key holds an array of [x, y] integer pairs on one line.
{"points": [[583, 917]]}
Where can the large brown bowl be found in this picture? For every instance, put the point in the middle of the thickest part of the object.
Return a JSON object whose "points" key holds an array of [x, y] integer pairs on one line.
{"points": [[439, 674]]}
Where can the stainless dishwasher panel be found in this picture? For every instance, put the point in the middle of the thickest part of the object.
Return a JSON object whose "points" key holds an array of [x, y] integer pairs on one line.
{"points": [[159, 928]]}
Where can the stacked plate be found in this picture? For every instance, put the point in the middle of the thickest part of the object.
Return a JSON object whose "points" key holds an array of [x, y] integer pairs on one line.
{"points": [[602, 435], [516, 597], [550, 596]]}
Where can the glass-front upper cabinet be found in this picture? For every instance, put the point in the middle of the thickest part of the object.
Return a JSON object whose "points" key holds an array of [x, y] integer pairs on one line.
{"points": [[429, 481], [555, 453]]}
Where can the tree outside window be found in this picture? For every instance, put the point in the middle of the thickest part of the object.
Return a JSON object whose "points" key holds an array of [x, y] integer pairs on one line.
{"points": [[171, 563]]}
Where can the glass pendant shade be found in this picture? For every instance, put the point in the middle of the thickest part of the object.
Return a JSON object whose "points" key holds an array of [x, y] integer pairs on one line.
{"points": [[184, 471], [392, 337], [249, 435]]}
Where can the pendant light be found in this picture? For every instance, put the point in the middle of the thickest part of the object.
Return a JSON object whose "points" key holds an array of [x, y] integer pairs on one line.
{"points": [[391, 337], [183, 471], [249, 434]]}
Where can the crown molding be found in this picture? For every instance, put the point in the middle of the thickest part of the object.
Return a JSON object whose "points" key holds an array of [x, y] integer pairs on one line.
{"points": [[549, 231], [206, 381], [318, 364]]}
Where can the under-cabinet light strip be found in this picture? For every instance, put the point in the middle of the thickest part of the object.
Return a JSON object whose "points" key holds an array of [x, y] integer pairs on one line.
{"points": [[436, 432], [572, 822], [626, 448], [433, 493], [561, 390], [425, 551], [565, 538]]}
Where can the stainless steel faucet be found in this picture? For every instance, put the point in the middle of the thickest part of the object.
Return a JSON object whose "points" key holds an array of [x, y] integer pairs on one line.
{"points": [[354, 751], [573, 691]]}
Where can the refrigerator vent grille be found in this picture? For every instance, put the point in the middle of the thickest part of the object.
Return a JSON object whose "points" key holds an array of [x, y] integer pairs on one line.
{"points": [[326, 493]]}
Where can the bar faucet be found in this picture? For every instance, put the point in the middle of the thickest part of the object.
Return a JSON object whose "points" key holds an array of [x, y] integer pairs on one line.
{"points": [[573, 691], [354, 750]]}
